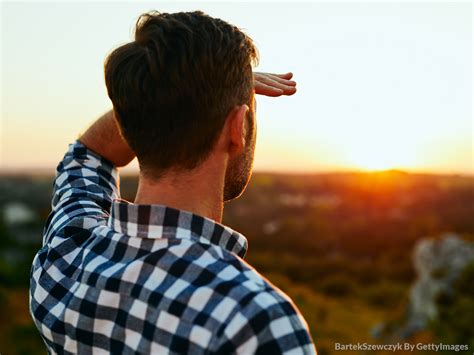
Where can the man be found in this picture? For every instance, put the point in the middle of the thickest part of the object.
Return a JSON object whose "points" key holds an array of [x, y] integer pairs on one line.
{"points": [[162, 275]]}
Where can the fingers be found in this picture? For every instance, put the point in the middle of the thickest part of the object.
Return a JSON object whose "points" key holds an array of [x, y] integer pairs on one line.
{"points": [[282, 81], [282, 84], [286, 76], [267, 90], [274, 84], [281, 78], [263, 89]]}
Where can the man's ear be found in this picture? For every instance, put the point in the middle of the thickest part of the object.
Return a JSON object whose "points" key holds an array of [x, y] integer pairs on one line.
{"points": [[236, 129]]}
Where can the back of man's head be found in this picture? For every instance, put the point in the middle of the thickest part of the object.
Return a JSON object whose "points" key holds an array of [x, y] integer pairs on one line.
{"points": [[173, 87]]}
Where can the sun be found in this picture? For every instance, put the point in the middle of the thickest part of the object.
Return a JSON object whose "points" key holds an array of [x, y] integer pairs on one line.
{"points": [[371, 156], [374, 163]]}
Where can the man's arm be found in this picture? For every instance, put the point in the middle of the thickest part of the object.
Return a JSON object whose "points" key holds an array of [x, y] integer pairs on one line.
{"points": [[87, 181], [104, 138]]}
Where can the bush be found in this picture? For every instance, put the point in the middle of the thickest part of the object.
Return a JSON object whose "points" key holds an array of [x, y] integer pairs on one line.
{"points": [[338, 286], [385, 295], [455, 311]]}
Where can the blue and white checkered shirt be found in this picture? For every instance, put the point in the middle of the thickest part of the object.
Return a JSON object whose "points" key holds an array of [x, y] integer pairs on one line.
{"points": [[116, 277]]}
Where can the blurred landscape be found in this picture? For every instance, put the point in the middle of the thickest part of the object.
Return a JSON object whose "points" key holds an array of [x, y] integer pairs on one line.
{"points": [[367, 257]]}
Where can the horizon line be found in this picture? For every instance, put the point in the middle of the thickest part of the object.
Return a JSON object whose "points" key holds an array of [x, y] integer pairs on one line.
{"points": [[42, 171]]}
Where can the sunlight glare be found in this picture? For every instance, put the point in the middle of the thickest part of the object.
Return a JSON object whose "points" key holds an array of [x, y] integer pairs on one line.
{"points": [[381, 154]]}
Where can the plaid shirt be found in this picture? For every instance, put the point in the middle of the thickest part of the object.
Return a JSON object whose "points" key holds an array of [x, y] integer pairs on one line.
{"points": [[117, 277]]}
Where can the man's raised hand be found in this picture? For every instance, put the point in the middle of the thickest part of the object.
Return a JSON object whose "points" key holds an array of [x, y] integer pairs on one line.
{"points": [[274, 84]]}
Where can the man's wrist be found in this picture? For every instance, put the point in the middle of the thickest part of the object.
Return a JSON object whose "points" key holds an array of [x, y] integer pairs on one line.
{"points": [[103, 137]]}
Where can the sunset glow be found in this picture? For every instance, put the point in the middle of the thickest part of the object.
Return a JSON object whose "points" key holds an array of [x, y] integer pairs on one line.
{"points": [[382, 153], [368, 157]]}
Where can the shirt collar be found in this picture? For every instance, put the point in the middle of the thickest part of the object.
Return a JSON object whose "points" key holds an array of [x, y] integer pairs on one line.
{"points": [[159, 221]]}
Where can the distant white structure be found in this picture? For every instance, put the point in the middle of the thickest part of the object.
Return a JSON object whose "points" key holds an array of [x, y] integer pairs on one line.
{"points": [[16, 213], [438, 263]]}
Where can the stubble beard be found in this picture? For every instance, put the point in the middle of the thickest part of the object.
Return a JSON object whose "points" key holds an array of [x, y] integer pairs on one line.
{"points": [[240, 168]]}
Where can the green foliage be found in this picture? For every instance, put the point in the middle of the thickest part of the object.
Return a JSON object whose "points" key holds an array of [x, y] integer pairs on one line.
{"points": [[31, 342], [385, 295], [338, 286], [456, 311], [18, 334]]}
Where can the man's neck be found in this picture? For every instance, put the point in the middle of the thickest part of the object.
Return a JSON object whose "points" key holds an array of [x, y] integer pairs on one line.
{"points": [[199, 192]]}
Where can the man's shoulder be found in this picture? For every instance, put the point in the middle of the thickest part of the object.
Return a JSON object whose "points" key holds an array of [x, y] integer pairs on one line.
{"points": [[264, 319], [251, 290], [259, 293], [230, 268]]}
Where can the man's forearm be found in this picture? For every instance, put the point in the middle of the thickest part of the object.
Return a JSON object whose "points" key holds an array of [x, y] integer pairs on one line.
{"points": [[103, 137]]}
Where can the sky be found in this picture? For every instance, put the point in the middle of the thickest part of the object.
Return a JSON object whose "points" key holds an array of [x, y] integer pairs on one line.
{"points": [[381, 85]]}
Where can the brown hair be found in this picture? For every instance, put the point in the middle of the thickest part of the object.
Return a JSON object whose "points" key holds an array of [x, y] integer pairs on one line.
{"points": [[175, 84]]}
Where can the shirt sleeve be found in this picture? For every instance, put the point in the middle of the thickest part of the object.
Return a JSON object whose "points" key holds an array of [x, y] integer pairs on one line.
{"points": [[270, 324], [85, 186]]}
